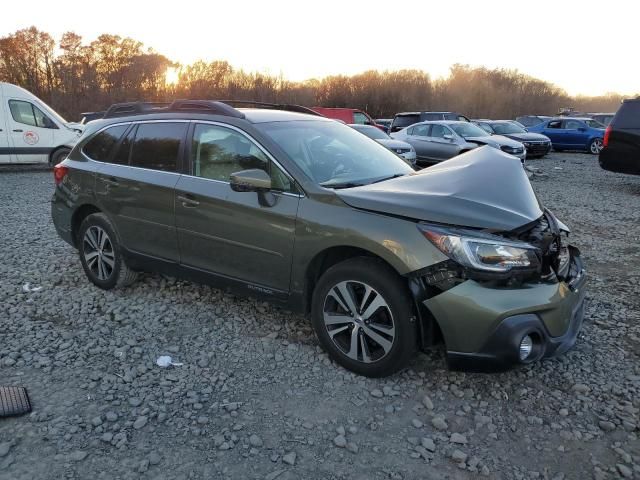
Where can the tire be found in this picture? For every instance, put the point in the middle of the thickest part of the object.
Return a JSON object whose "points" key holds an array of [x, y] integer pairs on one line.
{"points": [[101, 254], [595, 146], [58, 156], [348, 284]]}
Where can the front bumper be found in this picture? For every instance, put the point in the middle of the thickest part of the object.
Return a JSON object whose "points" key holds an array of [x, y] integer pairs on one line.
{"points": [[483, 326], [537, 149]]}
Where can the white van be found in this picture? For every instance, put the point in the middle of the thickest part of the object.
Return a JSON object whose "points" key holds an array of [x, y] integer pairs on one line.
{"points": [[31, 131]]}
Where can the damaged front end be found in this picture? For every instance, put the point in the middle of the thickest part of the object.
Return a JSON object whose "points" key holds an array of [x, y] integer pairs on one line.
{"points": [[537, 252], [498, 290]]}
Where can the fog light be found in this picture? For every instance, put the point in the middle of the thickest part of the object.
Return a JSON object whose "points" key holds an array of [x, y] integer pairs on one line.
{"points": [[526, 345]]}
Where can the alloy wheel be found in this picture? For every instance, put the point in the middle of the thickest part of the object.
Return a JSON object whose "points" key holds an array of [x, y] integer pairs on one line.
{"points": [[596, 146], [359, 321], [98, 252]]}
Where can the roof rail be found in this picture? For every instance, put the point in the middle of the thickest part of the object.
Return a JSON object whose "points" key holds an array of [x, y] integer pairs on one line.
{"points": [[205, 106], [195, 106], [275, 106], [134, 108]]}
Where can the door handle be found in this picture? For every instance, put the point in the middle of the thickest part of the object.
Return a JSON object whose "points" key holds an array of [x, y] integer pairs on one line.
{"points": [[188, 201], [18, 130]]}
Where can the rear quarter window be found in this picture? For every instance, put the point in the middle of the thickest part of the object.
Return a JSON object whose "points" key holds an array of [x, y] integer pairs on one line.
{"points": [[402, 121], [99, 147], [628, 116]]}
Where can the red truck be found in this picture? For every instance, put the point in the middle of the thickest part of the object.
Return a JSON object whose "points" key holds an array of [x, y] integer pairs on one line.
{"points": [[347, 115]]}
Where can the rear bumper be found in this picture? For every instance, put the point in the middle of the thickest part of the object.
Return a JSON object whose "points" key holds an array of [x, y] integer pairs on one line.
{"points": [[483, 326], [62, 215], [620, 161]]}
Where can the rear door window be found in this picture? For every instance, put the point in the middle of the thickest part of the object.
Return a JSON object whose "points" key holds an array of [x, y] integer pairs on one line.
{"points": [[99, 147], [628, 115], [157, 145], [572, 124], [421, 130], [555, 124], [402, 121]]}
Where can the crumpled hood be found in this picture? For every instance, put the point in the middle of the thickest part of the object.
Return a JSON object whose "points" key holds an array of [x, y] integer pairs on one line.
{"points": [[393, 144], [484, 188], [495, 141]]}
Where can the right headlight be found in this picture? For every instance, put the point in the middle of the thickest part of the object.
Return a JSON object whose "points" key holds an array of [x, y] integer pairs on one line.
{"points": [[479, 251]]}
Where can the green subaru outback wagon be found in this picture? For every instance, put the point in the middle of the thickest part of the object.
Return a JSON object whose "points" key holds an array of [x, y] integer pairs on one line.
{"points": [[307, 212]]}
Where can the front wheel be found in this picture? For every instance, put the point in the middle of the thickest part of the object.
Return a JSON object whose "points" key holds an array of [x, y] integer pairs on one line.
{"points": [[362, 314], [596, 146]]}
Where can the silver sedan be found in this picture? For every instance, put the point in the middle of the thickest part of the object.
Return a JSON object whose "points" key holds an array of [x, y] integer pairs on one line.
{"points": [[441, 140], [400, 148]]}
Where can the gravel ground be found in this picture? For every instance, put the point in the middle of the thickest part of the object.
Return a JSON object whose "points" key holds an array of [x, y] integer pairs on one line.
{"points": [[256, 398]]}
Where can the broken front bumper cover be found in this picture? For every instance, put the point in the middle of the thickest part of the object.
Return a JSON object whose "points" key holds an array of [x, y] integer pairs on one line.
{"points": [[483, 326]]}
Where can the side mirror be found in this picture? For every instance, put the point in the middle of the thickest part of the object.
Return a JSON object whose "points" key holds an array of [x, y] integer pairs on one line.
{"points": [[253, 180], [448, 137]]}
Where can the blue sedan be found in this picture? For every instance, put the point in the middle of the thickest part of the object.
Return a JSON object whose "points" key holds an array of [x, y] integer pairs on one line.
{"points": [[569, 133]]}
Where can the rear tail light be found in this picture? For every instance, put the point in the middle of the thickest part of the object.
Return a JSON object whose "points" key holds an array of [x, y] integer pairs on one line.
{"points": [[607, 132], [59, 172]]}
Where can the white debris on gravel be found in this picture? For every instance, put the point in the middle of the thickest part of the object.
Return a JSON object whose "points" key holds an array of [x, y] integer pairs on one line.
{"points": [[257, 398]]}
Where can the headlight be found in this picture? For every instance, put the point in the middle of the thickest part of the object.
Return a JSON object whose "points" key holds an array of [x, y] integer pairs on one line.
{"points": [[482, 251]]}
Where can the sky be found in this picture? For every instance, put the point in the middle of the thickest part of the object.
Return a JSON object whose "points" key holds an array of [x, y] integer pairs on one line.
{"points": [[586, 47]]}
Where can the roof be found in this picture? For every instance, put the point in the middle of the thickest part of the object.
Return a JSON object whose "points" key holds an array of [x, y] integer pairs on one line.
{"points": [[418, 113], [258, 115]]}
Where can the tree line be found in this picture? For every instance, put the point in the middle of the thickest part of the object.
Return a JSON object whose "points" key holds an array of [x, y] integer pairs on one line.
{"points": [[74, 77]]}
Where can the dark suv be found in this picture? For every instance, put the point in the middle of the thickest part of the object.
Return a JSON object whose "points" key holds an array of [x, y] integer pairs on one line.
{"points": [[402, 120], [621, 151], [307, 212]]}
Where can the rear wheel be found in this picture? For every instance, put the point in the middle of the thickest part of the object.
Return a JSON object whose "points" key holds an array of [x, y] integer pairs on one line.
{"points": [[58, 156], [596, 146], [363, 317], [101, 254]]}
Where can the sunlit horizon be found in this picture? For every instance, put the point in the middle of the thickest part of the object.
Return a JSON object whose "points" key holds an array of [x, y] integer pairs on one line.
{"points": [[327, 38]]}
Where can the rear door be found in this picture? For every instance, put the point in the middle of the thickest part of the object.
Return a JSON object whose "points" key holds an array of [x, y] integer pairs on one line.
{"points": [[553, 129], [242, 236], [136, 188], [31, 131], [442, 148]]}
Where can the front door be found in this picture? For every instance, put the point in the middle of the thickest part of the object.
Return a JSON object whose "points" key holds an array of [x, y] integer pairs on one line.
{"points": [[443, 148], [243, 236], [419, 138], [31, 131], [576, 133]]}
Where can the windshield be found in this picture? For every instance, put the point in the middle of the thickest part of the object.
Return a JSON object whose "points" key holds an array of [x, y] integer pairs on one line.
{"points": [[334, 155], [594, 124], [373, 132], [506, 128], [468, 130]]}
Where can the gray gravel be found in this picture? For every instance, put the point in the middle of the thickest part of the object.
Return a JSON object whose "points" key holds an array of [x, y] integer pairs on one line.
{"points": [[256, 398]]}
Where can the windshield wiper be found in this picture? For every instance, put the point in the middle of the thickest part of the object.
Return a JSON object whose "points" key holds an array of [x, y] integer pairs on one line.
{"points": [[383, 179], [337, 186]]}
